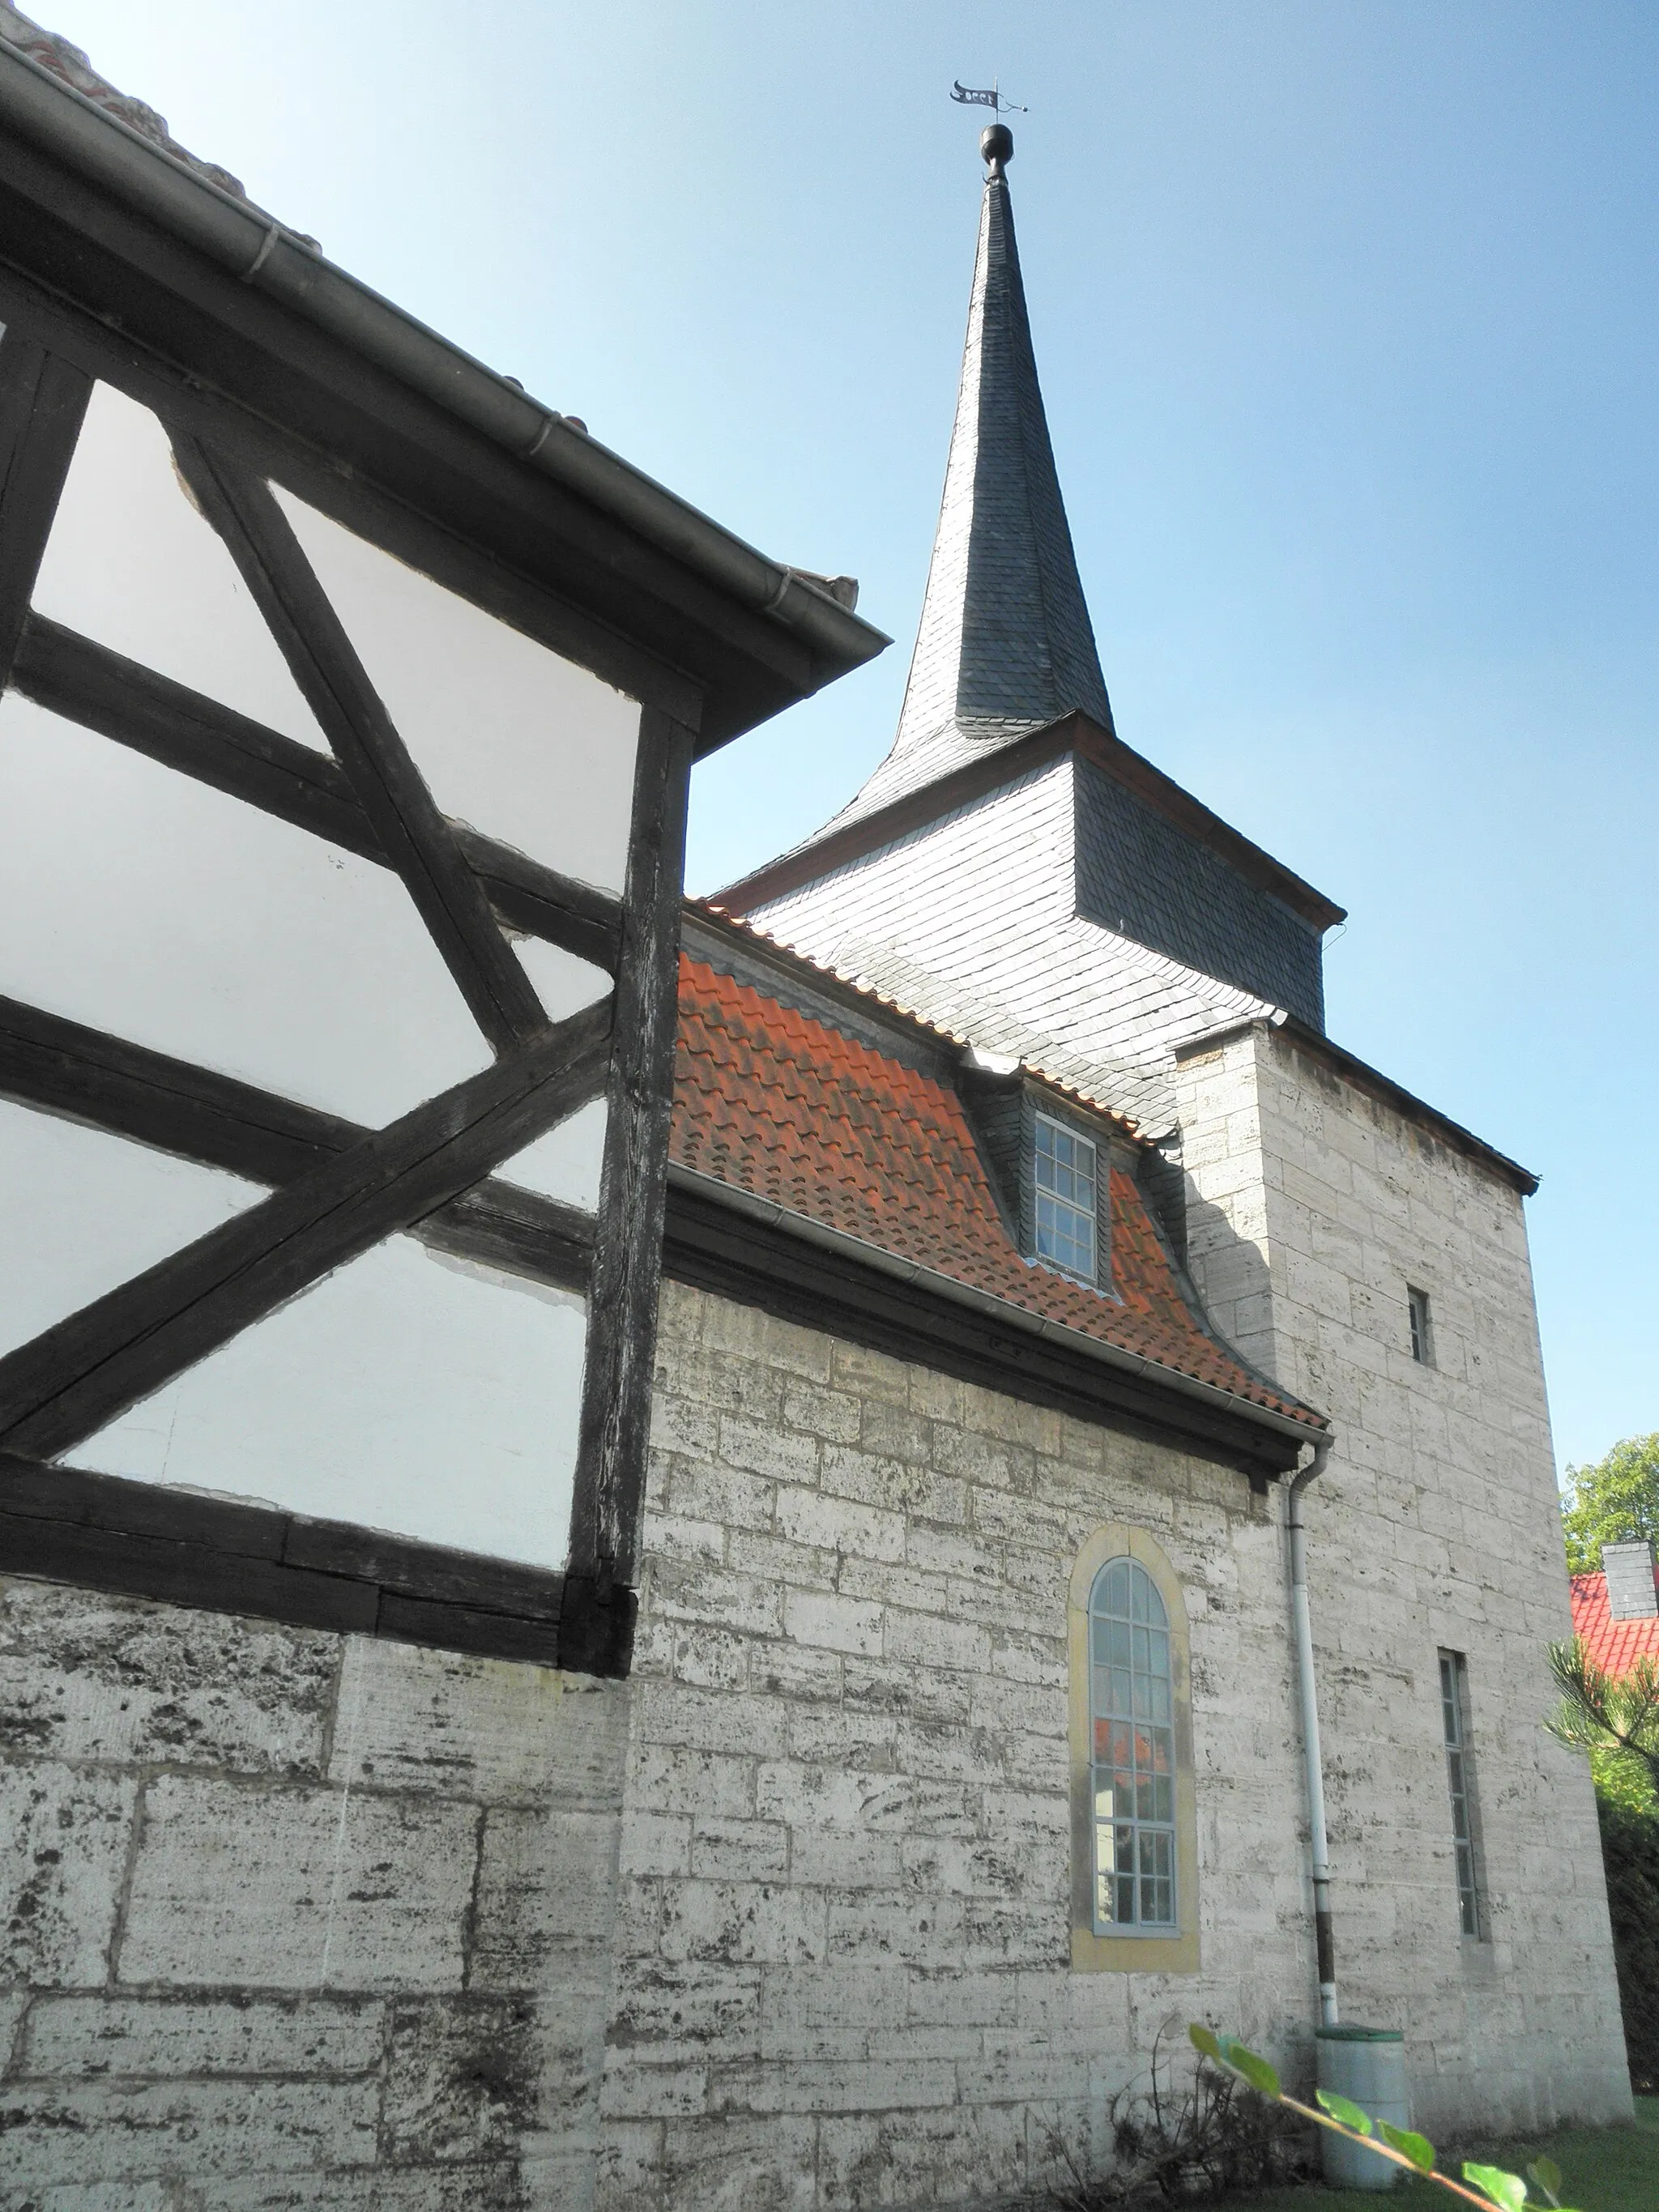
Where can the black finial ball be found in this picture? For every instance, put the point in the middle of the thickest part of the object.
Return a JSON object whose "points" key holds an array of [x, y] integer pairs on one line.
{"points": [[996, 143]]}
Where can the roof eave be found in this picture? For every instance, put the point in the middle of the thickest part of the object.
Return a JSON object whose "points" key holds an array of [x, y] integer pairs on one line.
{"points": [[254, 250], [1167, 1382]]}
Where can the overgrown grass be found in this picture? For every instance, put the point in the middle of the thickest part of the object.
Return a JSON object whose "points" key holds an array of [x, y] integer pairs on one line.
{"points": [[1602, 2170]]}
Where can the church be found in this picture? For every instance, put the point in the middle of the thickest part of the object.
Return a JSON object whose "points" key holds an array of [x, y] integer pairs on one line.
{"points": [[685, 1554]]}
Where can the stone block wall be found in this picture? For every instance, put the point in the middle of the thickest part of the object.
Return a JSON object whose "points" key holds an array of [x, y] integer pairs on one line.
{"points": [[292, 1918], [843, 1972], [1313, 1206]]}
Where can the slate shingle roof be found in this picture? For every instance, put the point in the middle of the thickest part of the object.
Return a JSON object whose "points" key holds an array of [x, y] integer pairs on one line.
{"points": [[1005, 644], [785, 1108], [1615, 1645]]}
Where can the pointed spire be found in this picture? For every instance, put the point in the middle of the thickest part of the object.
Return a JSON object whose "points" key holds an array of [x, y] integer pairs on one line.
{"points": [[1006, 638], [1005, 644]]}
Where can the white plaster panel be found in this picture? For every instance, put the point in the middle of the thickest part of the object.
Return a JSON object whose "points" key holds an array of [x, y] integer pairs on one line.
{"points": [[81, 1211], [564, 983], [408, 1391], [142, 902], [132, 563], [512, 738], [566, 1162]]}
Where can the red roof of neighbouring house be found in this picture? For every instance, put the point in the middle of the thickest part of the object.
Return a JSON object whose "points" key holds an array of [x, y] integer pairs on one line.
{"points": [[1615, 1645], [778, 1104]]}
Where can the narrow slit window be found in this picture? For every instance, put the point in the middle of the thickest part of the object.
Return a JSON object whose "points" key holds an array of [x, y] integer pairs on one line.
{"points": [[1066, 1199], [1453, 1708], [1131, 1753], [1417, 1305]]}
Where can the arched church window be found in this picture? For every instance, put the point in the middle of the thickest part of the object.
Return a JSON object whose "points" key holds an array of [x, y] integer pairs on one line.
{"points": [[1132, 1752], [1134, 1811]]}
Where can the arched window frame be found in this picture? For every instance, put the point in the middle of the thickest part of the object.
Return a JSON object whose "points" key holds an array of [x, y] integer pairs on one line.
{"points": [[1131, 1950]]}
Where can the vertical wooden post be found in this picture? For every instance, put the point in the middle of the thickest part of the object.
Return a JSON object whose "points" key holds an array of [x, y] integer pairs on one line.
{"points": [[42, 402], [621, 1321]]}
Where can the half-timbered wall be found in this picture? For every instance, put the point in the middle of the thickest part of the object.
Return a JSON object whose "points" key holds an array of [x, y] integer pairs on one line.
{"points": [[335, 1008]]}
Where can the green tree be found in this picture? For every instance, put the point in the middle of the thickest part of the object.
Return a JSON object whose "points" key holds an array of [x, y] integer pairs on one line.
{"points": [[1614, 1717], [1616, 1501]]}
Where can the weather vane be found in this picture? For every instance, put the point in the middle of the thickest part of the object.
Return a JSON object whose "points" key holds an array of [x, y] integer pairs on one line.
{"points": [[992, 100]]}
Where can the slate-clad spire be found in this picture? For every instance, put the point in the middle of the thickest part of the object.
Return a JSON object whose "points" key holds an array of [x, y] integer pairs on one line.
{"points": [[1005, 644]]}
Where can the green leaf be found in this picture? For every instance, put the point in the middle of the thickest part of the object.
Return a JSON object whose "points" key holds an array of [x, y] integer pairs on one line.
{"points": [[1249, 2066], [1418, 2148], [1507, 2190], [1203, 2039], [1547, 2176], [1344, 2109]]}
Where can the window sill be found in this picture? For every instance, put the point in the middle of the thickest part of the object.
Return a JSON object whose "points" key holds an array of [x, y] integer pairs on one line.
{"points": [[1134, 1954]]}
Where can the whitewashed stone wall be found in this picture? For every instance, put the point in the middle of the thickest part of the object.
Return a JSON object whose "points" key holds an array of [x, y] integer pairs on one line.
{"points": [[291, 1919], [843, 1939], [1313, 1206]]}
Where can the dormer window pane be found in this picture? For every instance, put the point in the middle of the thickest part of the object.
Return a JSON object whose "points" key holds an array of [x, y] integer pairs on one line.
{"points": [[1064, 1200]]}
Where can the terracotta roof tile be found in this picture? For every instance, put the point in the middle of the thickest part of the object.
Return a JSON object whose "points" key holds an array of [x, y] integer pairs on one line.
{"points": [[1615, 1645], [776, 949], [785, 1108]]}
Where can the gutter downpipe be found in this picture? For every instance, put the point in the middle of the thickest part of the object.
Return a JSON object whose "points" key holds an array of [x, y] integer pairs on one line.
{"points": [[1308, 1694]]}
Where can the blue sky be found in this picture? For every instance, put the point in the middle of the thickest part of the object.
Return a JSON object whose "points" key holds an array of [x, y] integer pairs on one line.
{"points": [[1347, 325]]}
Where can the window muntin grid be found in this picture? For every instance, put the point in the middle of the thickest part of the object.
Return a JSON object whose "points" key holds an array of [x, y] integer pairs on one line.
{"points": [[1064, 1199], [1132, 1752], [1457, 1778]]}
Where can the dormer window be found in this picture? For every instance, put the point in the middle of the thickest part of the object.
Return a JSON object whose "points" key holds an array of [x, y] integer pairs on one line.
{"points": [[1066, 1199]]}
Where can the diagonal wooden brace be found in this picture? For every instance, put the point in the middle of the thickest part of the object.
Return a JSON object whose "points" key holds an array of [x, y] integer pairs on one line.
{"points": [[416, 838], [73, 1378]]}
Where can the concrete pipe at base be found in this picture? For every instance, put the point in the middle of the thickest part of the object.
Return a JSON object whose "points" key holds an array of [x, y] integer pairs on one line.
{"points": [[1368, 2065]]}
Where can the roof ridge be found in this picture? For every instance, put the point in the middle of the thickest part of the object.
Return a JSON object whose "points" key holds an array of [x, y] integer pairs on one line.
{"points": [[933, 1032]]}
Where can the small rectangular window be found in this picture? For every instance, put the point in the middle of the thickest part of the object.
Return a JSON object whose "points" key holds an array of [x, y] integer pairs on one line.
{"points": [[1454, 1707], [1064, 1200], [1417, 1305]]}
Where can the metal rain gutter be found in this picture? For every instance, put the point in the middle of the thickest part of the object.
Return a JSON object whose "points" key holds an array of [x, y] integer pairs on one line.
{"points": [[968, 1294], [1308, 1699], [263, 253]]}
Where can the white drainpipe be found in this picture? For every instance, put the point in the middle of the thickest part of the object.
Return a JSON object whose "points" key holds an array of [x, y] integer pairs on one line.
{"points": [[1308, 1694]]}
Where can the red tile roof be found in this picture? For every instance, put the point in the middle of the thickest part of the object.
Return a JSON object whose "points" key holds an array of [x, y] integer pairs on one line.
{"points": [[1615, 1645], [786, 956], [783, 1107]]}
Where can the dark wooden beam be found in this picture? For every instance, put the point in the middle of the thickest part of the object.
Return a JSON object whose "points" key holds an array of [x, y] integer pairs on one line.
{"points": [[103, 691], [43, 400], [616, 1416], [127, 1089], [411, 831], [73, 1378], [104, 1531]]}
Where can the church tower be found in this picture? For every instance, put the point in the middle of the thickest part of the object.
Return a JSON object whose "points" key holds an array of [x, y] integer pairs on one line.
{"points": [[1015, 873], [1012, 869]]}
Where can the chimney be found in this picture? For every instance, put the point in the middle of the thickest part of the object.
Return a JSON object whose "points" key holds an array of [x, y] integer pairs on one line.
{"points": [[1629, 1570]]}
